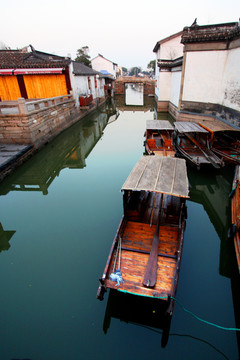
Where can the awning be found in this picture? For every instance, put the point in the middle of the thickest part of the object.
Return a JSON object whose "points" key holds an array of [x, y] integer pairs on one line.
{"points": [[159, 125], [160, 174], [188, 126], [30, 71], [6, 71]]}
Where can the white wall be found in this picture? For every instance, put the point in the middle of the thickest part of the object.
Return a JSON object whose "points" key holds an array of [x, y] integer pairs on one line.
{"points": [[99, 63], [171, 49], [231, 80], [168, 87], [203, 76], [164, 86], [175, 87], [213, 77]]}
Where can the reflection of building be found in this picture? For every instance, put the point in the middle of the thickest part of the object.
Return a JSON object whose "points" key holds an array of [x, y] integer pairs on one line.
{"points": [[68, 150], [148, 104], [5, 237], [212, 189]]}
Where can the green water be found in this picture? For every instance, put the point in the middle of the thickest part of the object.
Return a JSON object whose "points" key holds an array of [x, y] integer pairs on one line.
{"points": [[59, 215]]}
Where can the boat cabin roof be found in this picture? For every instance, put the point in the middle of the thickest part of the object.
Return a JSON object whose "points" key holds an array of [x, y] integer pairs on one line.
{"points": [[162, 174], [217, 125], [159, 125], [188, 126]]}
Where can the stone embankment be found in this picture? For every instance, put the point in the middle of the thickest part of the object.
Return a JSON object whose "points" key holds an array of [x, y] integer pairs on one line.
{"points": [[26, 126]]}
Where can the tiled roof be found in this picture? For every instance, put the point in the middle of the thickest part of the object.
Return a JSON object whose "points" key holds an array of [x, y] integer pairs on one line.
{"points": [[170, 63], [81, 69], [217, 32], [33, 59]]}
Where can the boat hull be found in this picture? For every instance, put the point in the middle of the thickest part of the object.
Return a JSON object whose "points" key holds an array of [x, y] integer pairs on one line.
{"points": [[235, 228]]}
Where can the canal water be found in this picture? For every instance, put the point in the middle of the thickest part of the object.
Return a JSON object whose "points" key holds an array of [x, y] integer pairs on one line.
{"points": [[59, 214]]}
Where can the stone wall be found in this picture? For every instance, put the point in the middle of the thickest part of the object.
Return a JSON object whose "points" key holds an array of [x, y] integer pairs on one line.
{"points": [[37, 122]]}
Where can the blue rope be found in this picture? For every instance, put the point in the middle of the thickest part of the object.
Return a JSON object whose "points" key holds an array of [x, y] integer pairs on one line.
{"points": [[204, 321]]}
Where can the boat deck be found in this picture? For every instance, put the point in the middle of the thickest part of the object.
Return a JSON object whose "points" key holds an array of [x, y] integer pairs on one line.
{"points": [[136, 246]]}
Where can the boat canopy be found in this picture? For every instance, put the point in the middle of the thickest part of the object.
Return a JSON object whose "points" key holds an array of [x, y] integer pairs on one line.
{"points": [[188, 126], [159, 125], [162, 174], [217, 125]]}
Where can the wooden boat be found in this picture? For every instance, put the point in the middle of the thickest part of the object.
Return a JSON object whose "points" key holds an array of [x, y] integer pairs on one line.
{"points": [[191, 143], [224, 140], [159, 138], [147, 247], [235, 202]]}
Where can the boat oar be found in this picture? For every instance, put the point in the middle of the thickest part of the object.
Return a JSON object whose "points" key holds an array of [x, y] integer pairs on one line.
{"points": [[150, 275]]}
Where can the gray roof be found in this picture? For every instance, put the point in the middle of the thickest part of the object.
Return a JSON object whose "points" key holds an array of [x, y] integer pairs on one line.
{"points": [[188, 126], [160, 174], [159, 125], [81, 69]]}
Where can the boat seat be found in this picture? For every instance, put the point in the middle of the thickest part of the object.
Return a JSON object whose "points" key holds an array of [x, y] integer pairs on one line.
{"points": [[151, 143]]}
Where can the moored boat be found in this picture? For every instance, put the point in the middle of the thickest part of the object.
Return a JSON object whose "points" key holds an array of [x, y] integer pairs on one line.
{"points": [[235, 207], [191, 143], [159, 138], [146, 253], [224, 140]]}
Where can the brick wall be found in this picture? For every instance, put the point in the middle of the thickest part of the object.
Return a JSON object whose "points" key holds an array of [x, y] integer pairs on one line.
{"points": [[148, 84]]}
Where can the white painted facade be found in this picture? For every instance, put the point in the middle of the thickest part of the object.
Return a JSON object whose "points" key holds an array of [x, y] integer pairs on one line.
{"points": [[84, 85], [99, 63], [170, 49], [210, 78], [167, 81], [213, 77], [175, 86]]}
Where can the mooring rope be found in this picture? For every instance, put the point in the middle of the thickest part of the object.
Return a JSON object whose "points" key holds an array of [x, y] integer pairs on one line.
{"points": [[202, 320]]}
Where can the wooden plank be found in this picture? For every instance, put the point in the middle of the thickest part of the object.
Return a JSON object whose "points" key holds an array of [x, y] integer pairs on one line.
{"points": [[188, 126], [133, 267], [159, 125]]}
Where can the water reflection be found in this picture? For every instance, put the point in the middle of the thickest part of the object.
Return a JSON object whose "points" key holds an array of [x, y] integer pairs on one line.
{"points": [[147, 106], [146, 313], [69, 266], [140, 311], [212, 189], [5, 237], [134, 94], [69, 150]]}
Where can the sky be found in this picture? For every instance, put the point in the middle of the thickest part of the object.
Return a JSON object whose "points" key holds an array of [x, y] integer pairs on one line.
{"points": [[124, 32]]}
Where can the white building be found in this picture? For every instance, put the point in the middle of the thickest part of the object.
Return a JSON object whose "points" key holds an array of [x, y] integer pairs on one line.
{"points": [[105, 66], [86, 81], [205, 78], [168, 70]]}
